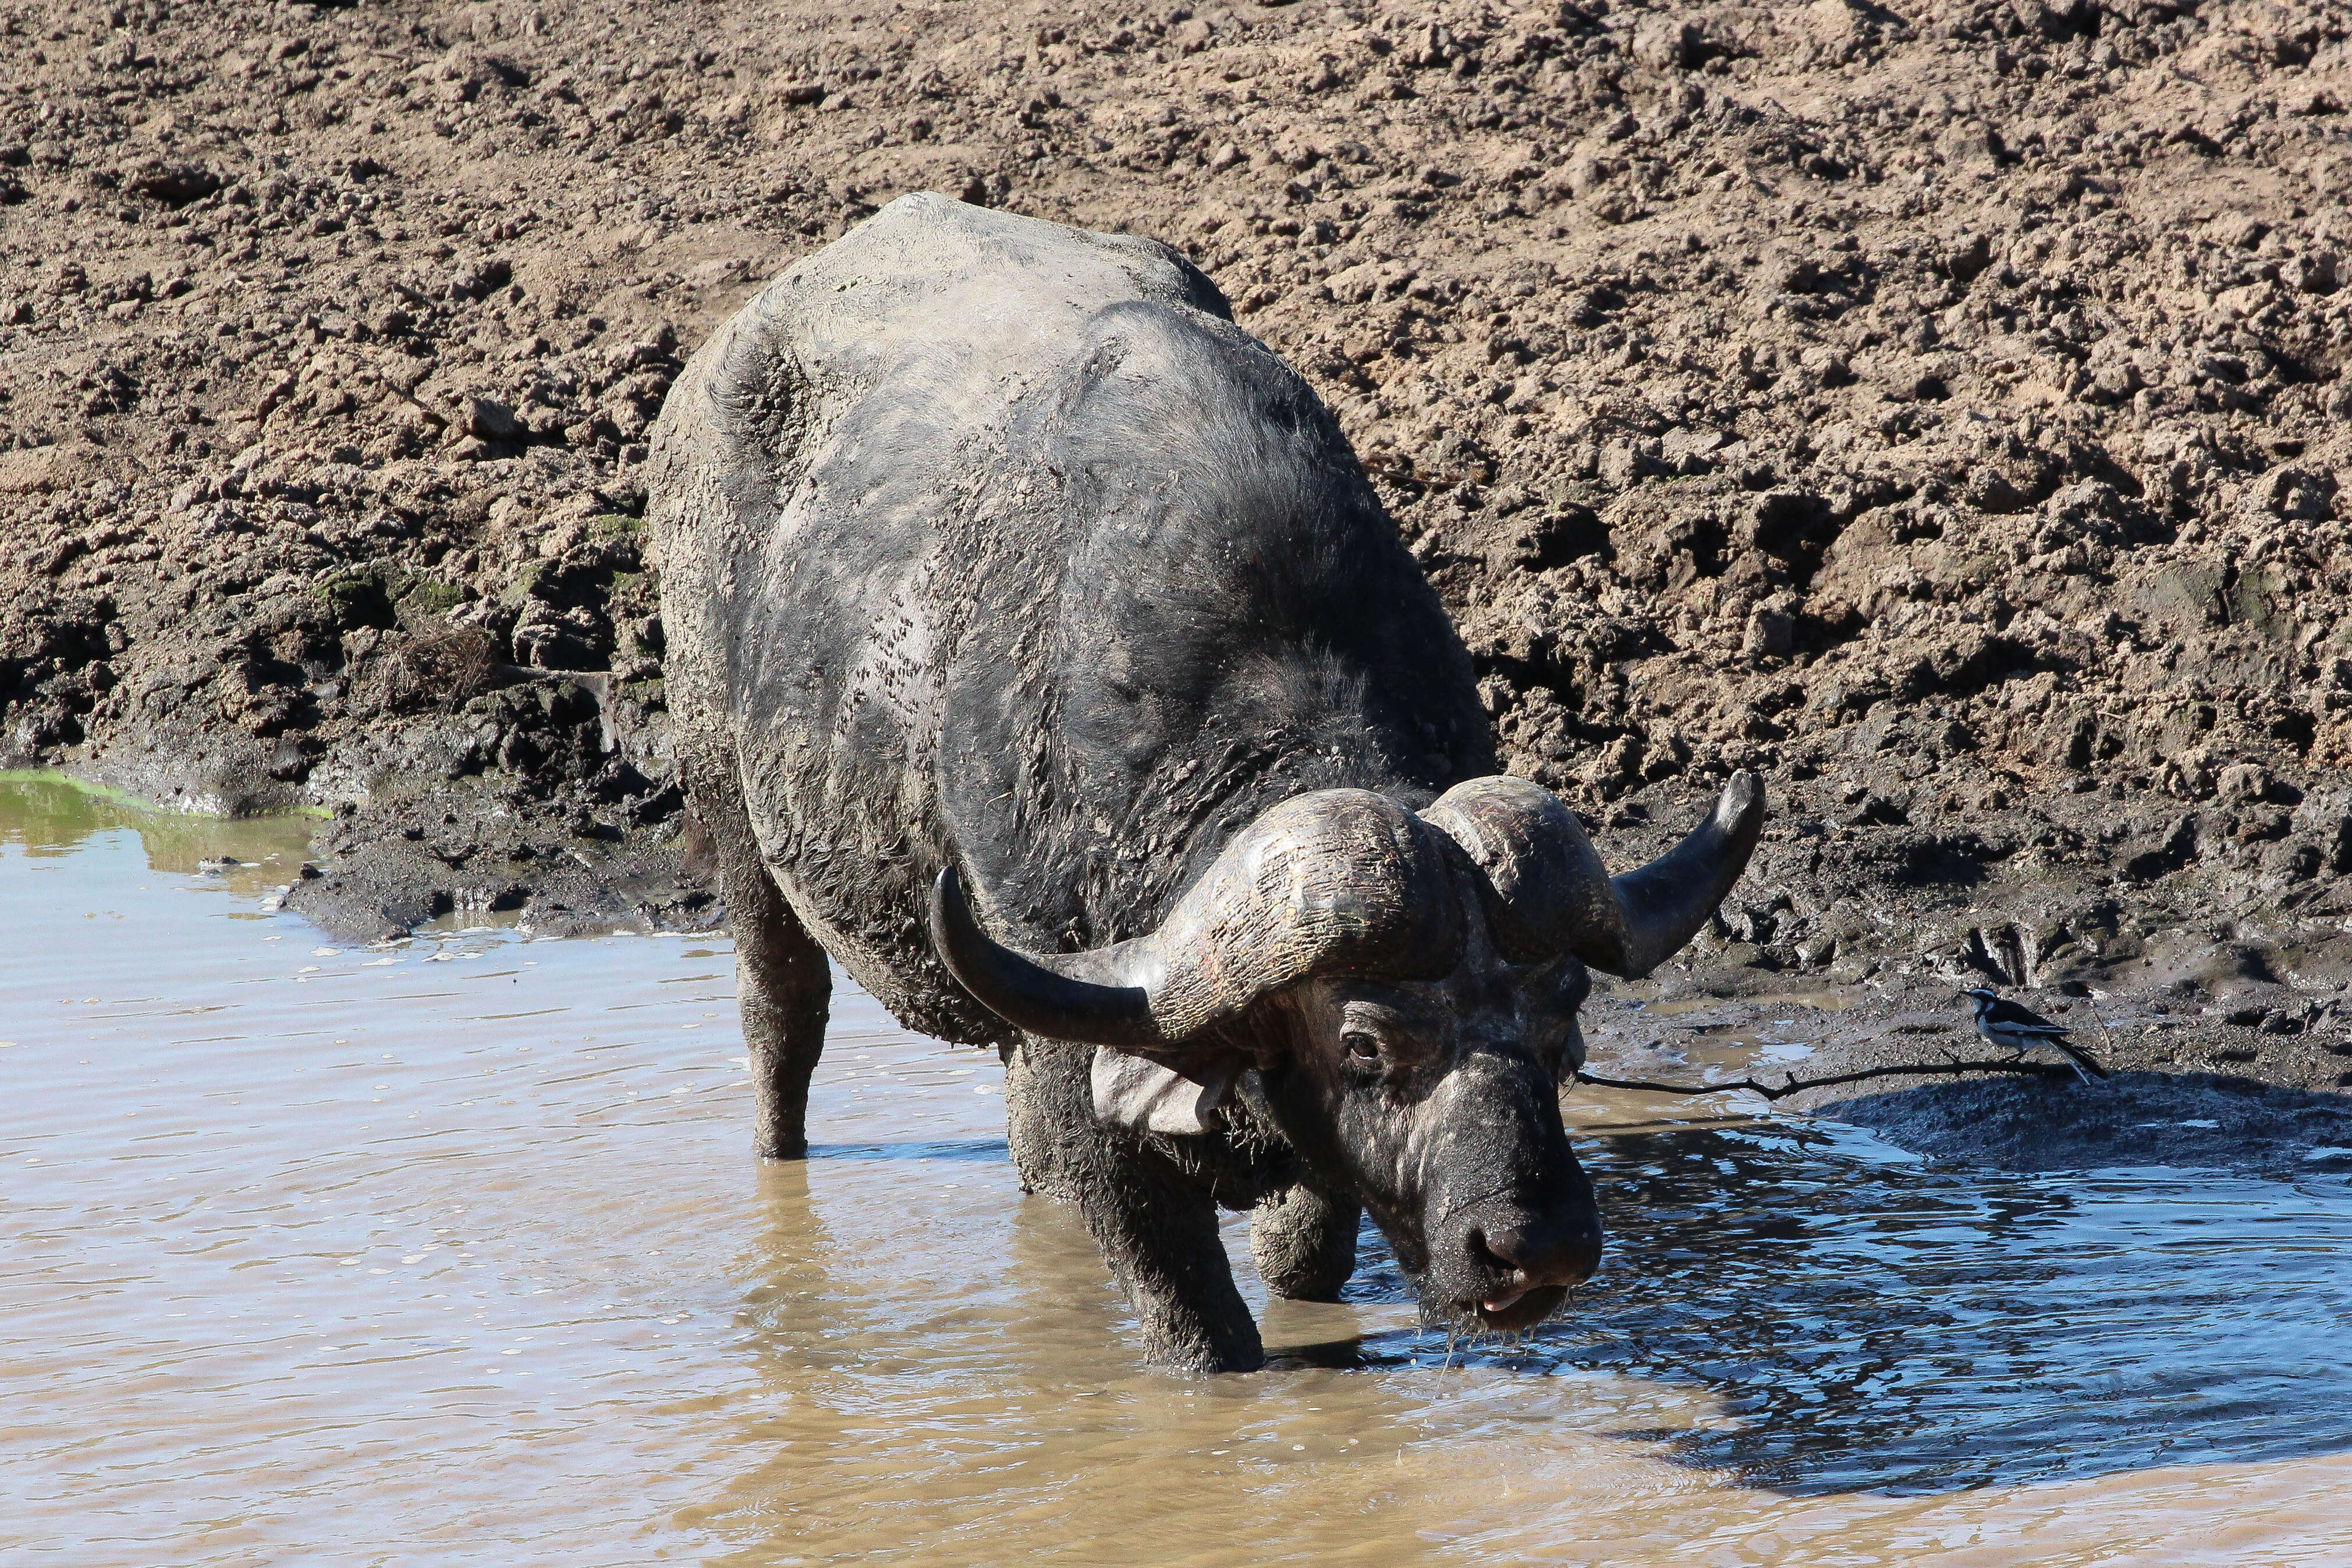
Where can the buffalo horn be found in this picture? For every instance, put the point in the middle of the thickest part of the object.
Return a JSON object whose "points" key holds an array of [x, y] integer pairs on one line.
{"points": [[1332, 881], [1552, 894], [1666, 901], [1098, 998]]}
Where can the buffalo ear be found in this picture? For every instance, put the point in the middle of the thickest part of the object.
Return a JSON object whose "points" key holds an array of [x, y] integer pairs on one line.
{"points": [[1144, 1097]]}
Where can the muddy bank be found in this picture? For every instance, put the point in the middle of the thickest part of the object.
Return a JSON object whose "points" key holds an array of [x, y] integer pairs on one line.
{"points": [[1941, 413]]}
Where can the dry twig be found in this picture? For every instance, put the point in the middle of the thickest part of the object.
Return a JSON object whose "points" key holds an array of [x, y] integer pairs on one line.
{"points": [[1796, 1085]]}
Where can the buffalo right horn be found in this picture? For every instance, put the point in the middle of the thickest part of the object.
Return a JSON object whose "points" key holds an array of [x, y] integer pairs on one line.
{"points": [[1553, 894], [1100, 998], [1333, 879]]}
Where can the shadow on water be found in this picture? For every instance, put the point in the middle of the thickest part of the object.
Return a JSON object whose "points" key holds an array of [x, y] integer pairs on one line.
{"points": [[2199, 1120], [990, 1151], [1874, 1324]]}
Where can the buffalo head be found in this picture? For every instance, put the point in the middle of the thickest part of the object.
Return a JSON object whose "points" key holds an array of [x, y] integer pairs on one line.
{"points": [[1405, 987]]}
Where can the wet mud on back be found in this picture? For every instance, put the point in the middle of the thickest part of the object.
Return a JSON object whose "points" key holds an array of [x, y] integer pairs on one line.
{"points": [[453, 1251]]}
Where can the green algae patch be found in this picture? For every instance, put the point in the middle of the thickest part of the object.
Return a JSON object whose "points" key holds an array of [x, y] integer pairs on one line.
{"points": [[41, 809]]}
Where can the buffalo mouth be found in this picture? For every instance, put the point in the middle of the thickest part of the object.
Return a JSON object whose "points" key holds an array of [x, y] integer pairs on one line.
{"points": [[1515, 1307]]}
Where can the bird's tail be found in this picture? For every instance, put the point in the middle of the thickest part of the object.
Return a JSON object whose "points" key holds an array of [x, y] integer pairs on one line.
{"points": [[2084, 1061]]}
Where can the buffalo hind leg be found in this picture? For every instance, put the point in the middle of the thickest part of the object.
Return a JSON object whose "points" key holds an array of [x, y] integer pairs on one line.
{"points": [[785, 993], [1156, 1228], [783, 987], [1305, 1243]]}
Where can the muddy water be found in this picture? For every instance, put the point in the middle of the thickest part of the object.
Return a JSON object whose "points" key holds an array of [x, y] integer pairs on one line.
{"points": [[451, 1252]]}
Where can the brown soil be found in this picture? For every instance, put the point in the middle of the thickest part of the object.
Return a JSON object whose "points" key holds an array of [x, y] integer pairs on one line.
{"points": [[1941, 410]]}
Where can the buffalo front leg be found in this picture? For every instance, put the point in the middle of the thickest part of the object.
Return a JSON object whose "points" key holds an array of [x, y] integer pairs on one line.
{"points": [[1156, 1228], [1161, 1240], [1305, 1243], [783, 987]]}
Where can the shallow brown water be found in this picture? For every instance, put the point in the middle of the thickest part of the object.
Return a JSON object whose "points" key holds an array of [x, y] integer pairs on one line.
{"points": [[453, 1252]]}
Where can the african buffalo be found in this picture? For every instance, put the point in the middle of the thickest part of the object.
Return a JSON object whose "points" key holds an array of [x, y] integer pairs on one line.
{"points": [[1038, 649]]}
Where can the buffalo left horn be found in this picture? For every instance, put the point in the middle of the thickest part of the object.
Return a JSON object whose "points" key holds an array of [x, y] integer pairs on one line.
{"points": [[1553, 896]]}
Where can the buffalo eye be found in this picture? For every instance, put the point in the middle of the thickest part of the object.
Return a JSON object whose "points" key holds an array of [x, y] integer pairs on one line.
{"points": [[1360, 1048]]}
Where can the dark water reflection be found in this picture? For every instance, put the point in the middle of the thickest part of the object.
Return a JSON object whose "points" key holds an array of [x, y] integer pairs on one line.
{"points": [[1887, 1326]]}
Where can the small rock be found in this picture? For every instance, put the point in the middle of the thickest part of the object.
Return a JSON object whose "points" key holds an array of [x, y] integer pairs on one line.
{"points": [[1827, 363], [489, 420], [173, 184], [1833, 21], [2238, 230], [2298, 493], [479, 280], [1770, 634], [2242, 783], [1668, 42], [1968, 257]]}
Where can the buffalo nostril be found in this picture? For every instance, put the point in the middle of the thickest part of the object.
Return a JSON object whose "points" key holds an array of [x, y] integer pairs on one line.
{"points": [[1485, 1255], [1564, 1253]]}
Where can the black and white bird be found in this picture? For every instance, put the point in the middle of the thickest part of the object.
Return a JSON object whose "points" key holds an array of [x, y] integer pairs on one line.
{"points": [[2021, 1028]]}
